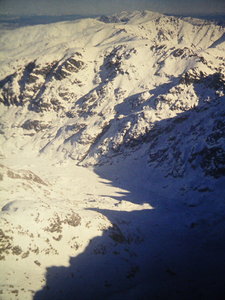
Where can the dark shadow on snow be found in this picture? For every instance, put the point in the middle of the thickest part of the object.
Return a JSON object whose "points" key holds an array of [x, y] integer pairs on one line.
{"points": [[158, 253]]}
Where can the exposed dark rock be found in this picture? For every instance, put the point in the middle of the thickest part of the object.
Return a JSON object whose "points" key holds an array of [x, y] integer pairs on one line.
{"points": [[72, 219], [213, 161], [8, 96], [22, 174], [69, 66], [46, 70], [215, 81], [184, 52], [34, 125], [7, 79], [192, 76]]}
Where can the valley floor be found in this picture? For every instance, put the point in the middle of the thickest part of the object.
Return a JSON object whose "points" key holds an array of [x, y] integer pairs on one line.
{"points": [[114, 232]]}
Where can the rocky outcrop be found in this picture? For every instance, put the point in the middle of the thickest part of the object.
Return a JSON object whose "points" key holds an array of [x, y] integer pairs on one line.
{"points": [[21, 175], [28, 86]]}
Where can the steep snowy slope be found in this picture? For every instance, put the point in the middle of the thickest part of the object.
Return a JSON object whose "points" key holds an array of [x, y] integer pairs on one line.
{"points": [[138, 98], [70, 99]]}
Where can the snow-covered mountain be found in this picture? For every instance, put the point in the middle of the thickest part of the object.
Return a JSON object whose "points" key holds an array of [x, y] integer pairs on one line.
{"points": [[138, 98]]}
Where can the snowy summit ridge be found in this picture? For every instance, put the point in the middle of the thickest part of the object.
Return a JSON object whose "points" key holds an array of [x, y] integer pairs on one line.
{"points": [[139, 98], [131, 17], [85, 87]]}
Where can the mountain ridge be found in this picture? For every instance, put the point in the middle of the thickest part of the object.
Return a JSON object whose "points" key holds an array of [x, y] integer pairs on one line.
{"points": [[34, 82]]}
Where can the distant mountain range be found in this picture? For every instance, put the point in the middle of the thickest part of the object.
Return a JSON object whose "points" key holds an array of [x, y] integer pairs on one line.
{"points": [[18, 20]]}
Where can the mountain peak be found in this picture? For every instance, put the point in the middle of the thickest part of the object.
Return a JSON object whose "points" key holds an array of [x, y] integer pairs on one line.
{"points": [[131, 17]]}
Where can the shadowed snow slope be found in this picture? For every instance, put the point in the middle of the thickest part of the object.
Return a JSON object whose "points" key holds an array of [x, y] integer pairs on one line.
{"points": [[113, 159]]}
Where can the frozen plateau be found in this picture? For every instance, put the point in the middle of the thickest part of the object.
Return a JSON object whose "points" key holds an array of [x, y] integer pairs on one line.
{"points": [[112, 148]]}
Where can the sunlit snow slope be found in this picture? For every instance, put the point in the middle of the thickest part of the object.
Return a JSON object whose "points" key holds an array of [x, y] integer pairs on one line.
{"points": [[113, 159]]}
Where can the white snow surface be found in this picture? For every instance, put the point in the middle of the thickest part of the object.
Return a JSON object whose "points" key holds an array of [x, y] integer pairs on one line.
{"points": [[112, 152]]}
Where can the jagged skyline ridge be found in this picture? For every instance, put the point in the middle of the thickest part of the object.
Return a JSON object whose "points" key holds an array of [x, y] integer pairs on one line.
{"points": [[96, 7]]}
